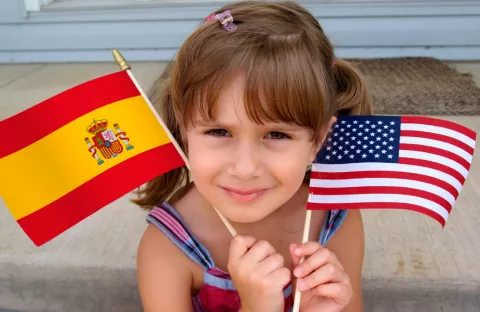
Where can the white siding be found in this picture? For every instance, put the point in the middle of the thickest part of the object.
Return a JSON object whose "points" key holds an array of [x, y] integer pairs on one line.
{"points": [[364, 29]]}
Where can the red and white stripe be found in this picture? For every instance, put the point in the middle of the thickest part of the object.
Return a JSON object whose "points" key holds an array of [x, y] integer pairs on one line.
{"points": [[434, 161]]}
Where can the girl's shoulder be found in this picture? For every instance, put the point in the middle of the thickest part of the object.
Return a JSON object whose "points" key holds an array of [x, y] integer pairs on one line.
{"points": [[172, 225], [348, 246], [169, 250], [347, 225], [163, 270]]}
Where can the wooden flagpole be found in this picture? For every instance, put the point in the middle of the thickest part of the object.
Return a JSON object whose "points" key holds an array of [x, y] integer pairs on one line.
{"points": [[306, 232], [122, 63]]}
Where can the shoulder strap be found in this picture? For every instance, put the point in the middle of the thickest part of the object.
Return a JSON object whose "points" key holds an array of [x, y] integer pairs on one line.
{"points": [[165, 218], [333, 221]]}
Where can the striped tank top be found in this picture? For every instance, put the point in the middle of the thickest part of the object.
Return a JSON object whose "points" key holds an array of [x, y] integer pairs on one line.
{"points": [[218, 293]]}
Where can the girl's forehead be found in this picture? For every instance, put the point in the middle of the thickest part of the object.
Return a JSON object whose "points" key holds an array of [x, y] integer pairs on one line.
{"points": [[229, 105], [233, 111]]}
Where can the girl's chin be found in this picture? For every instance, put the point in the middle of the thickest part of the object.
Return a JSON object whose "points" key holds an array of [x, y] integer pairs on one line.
{"points": [[246, 213]]}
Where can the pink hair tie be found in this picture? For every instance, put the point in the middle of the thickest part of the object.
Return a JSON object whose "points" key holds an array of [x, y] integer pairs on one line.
{"points": [[225, 19]]}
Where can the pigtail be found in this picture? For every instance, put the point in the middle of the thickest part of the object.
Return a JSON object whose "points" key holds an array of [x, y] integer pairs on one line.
{"points": [[175, 182], [351, 94]]}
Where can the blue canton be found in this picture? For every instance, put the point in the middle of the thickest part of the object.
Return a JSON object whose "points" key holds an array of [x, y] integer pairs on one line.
{"points": [[357, 139]]}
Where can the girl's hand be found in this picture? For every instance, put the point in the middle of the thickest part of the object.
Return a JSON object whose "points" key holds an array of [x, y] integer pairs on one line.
{"points": [[324, 284], [258, 274]]}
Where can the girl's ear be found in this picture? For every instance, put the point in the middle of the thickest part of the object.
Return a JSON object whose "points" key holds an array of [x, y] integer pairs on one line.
{"points": [[323, 135]]}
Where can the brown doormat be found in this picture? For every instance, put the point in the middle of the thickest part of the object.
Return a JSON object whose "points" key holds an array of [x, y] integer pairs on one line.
{"points": [[419, 86]]}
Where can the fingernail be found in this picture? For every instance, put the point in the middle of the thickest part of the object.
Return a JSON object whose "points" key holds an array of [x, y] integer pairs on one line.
{"points": [[301, 284], [298, 251], [297, 272]]}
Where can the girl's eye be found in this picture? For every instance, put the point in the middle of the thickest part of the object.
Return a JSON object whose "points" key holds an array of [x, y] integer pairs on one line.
{"points": [[217, 132], [277, 135]]}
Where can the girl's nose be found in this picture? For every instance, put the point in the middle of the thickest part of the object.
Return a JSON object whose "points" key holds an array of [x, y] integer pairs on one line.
{"points": [[245, 162]]}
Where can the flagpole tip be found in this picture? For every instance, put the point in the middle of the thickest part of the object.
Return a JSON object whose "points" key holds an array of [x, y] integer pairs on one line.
{"points": [[120, 60]]}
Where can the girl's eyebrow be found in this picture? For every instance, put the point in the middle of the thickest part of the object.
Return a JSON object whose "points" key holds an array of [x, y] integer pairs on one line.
{"points": [[212, 123], [283, 127]]}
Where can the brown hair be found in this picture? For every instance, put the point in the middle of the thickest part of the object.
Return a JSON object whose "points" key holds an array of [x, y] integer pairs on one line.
{"points": [[291, 75]]}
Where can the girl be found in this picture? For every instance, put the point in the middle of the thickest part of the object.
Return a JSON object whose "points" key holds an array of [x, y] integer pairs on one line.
{"points": [[250, 102]]}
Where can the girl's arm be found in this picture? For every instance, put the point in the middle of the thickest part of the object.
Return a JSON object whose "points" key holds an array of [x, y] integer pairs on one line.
{"points": [[348, 245], [164, 274]]}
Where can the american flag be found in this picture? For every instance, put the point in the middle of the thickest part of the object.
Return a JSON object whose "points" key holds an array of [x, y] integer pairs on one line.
{"points": [[392, 162]]}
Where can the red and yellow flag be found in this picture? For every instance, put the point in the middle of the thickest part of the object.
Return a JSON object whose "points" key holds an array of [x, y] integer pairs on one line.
{"points": [[67, 157]]}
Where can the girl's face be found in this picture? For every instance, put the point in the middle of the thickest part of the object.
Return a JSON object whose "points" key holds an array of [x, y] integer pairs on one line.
{"points": [[244, 169]]}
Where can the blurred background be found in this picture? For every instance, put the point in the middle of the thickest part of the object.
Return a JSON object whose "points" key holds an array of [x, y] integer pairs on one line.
{"points": [[419, 57]]}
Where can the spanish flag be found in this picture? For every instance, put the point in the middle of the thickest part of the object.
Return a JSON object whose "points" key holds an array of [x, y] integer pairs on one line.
{"points": [[68, 156]]}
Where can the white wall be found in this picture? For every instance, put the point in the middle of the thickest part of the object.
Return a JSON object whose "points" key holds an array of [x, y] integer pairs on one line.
{"points": [[447, 30], [35, 5]]}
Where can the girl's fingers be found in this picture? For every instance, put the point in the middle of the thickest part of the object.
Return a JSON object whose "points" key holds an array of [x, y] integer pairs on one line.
{"points": [[270, 264], [295, 258], [306, 249], [259, 251], [315, 261], [239, 246], [329, 273], [341, 293]]}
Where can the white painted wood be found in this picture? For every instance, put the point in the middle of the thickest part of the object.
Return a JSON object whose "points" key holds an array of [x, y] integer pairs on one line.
{"points": [[35, 5], [32, 5], [447, 30], [105, 55]]}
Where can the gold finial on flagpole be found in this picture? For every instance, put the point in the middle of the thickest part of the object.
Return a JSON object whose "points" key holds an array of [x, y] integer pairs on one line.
{"points": [[120, 60]]}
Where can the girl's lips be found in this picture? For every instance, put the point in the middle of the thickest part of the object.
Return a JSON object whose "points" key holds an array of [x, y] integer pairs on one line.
{"points": [[245, 195]]}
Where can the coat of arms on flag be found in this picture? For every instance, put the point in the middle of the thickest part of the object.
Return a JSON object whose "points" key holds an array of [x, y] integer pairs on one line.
{"points": [[105, 140], [392, 162]]}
